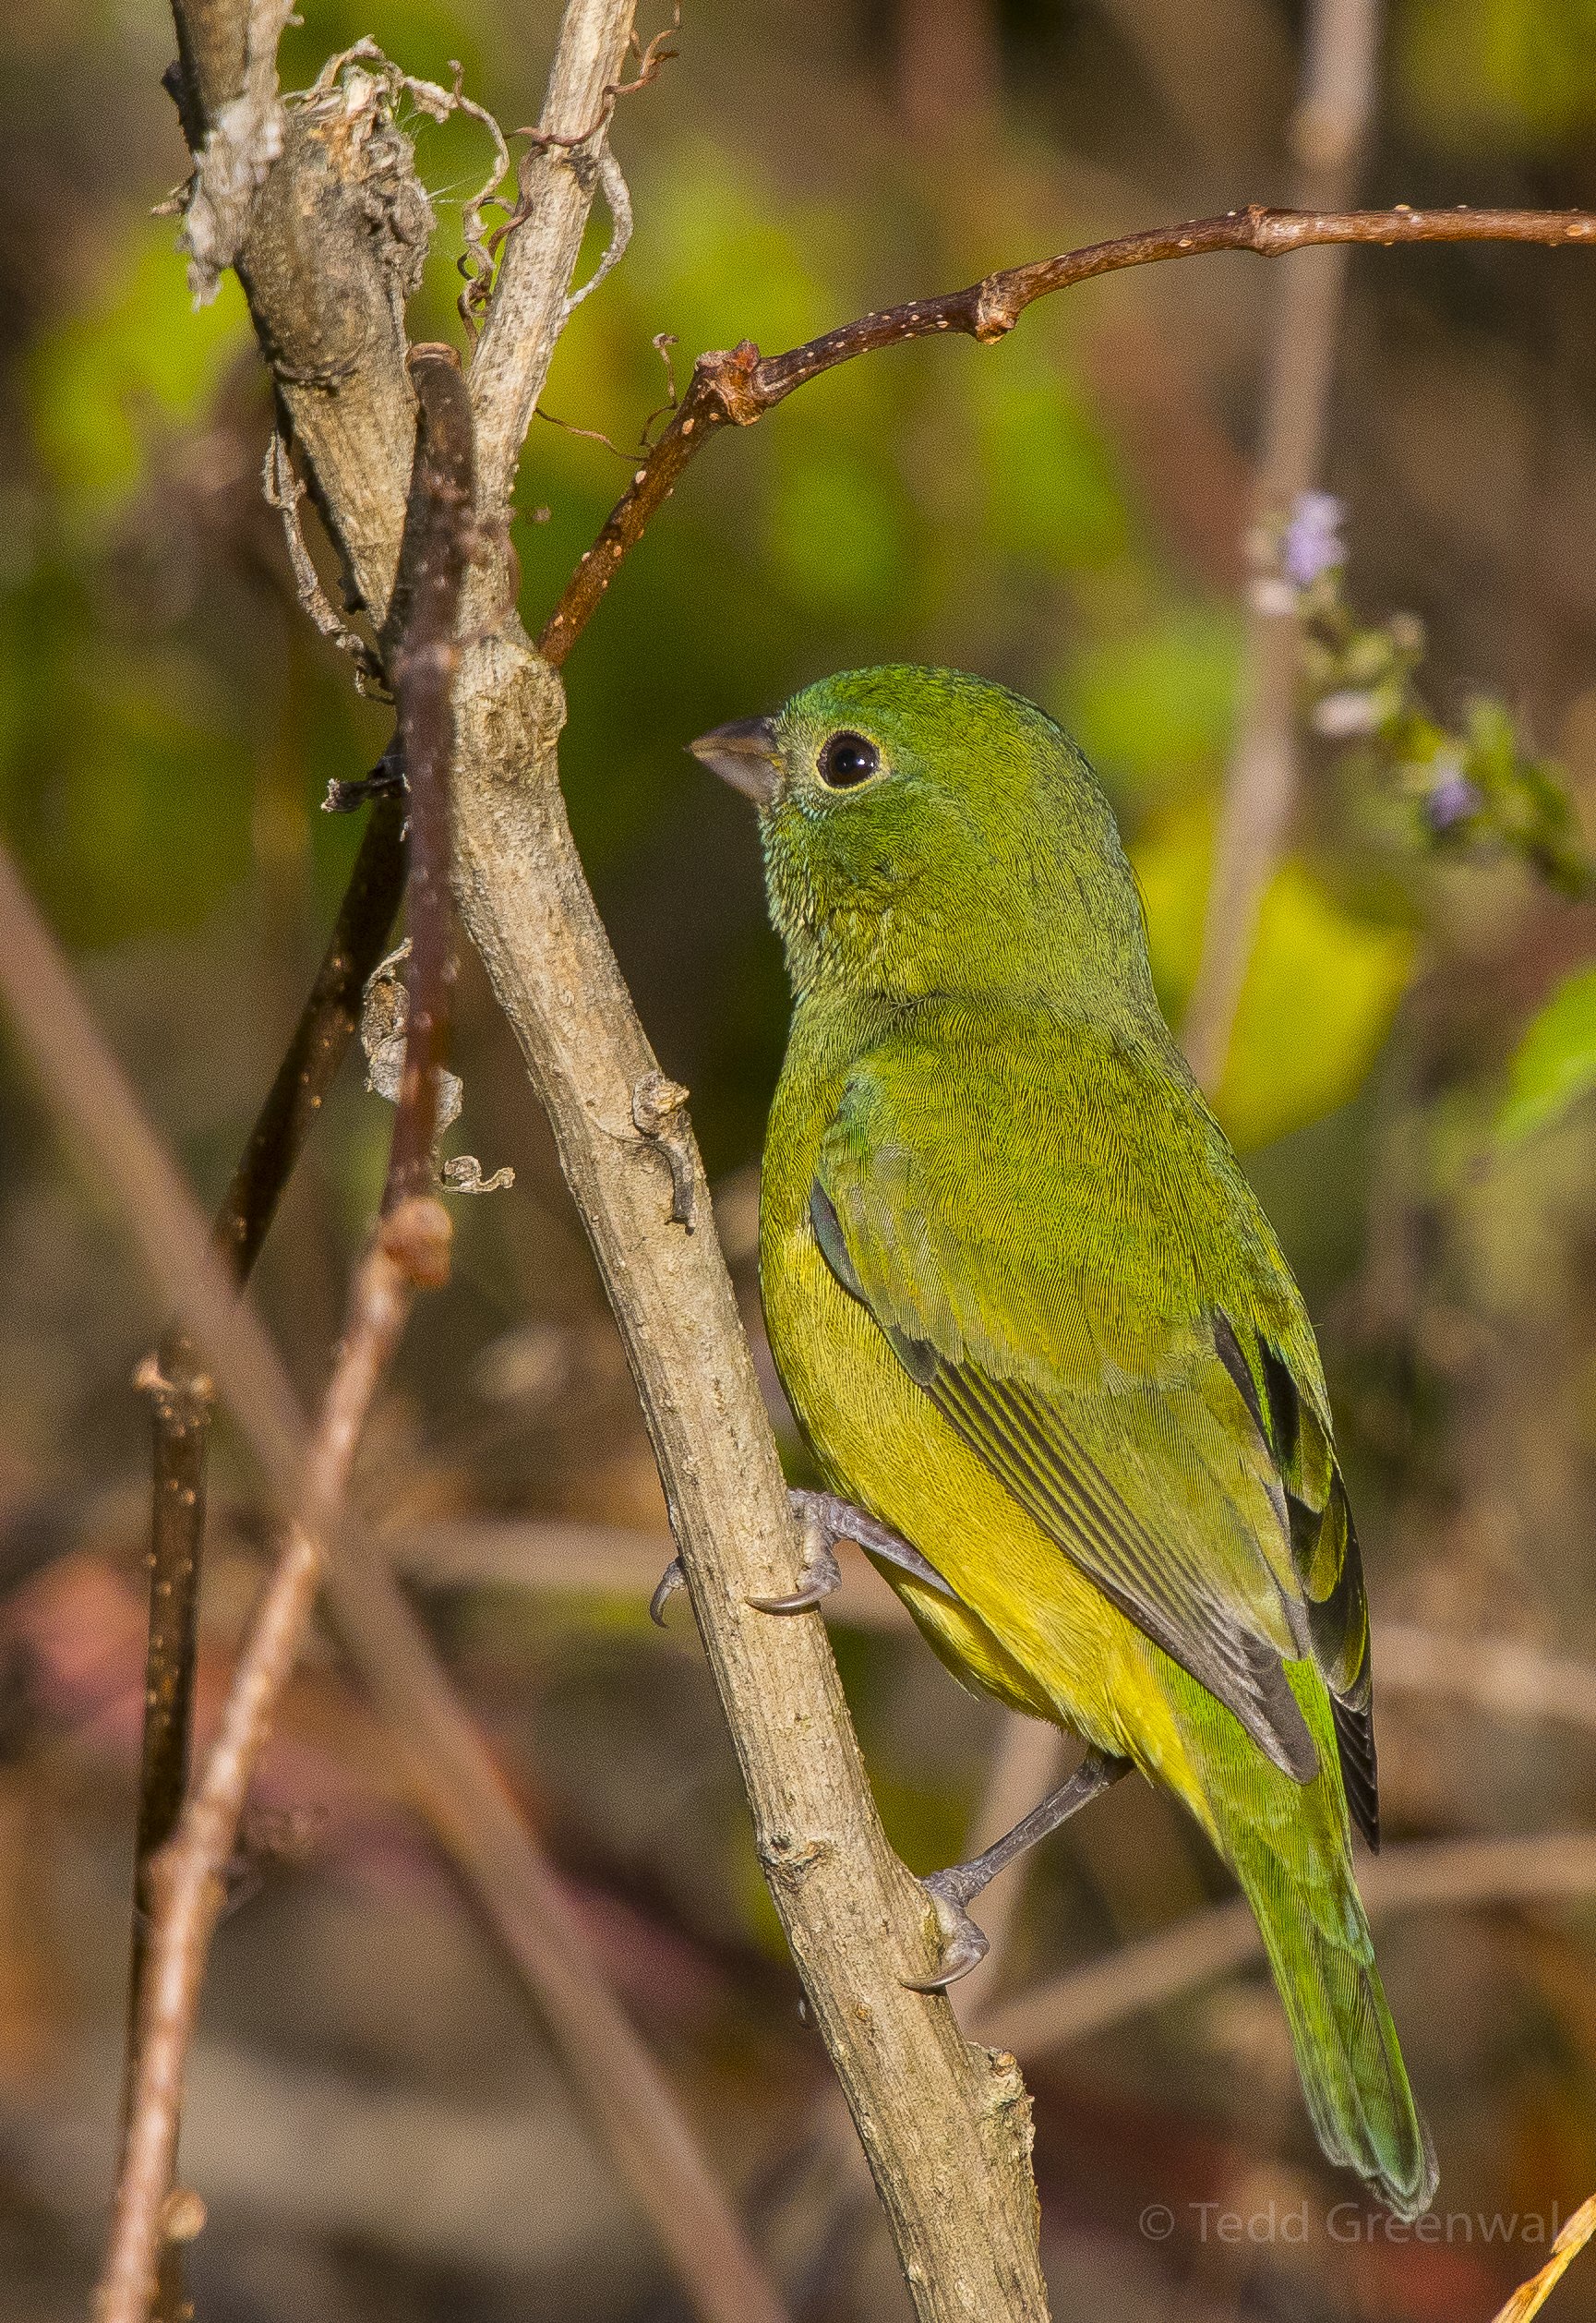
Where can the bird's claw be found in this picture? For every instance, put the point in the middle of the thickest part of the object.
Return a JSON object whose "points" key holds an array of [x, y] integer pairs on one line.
{"points": [[824, 1575], [964, 1946], [670, 1581]]}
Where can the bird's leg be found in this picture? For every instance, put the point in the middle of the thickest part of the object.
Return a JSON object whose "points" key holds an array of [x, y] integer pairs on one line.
{"points": [[964, 1946], [819, 1563]]}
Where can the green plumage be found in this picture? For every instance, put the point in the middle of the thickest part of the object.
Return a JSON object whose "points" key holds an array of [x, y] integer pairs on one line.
{"points": [[1031, 1315]]}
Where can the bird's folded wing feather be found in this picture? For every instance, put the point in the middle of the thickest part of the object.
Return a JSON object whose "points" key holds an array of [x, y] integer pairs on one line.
{"points": [[1035, 1232]]}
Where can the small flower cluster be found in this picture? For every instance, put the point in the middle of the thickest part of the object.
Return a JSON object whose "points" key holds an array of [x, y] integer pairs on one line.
{"points": [[1477, 790]]}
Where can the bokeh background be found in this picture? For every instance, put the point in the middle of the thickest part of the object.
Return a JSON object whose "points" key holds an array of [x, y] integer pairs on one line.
{"points": [[375, 2119]]}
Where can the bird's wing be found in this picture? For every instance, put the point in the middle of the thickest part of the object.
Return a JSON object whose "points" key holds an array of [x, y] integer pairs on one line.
{"points": [[1048, 1238]]}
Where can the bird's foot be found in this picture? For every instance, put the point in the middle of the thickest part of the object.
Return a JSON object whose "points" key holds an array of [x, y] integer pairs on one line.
{"points": [[838, 1520], [819, 1563], [963, 1946]]}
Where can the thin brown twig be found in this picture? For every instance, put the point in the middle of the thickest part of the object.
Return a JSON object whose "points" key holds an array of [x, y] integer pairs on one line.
{"points": [[736, 388], [181, 1392], [182, 1878], [410, 1247], [320, 1041]]}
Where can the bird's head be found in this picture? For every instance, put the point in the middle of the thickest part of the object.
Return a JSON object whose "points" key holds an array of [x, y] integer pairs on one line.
{"points": [[928, 832]]}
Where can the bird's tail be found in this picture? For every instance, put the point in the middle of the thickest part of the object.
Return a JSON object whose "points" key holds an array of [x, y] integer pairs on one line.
{"points": [[1351, 2069]]}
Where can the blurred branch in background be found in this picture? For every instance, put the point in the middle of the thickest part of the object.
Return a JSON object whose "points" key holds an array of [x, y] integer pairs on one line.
{"points": [[1329, 131], [1504, 1677], [1455, 1873]]}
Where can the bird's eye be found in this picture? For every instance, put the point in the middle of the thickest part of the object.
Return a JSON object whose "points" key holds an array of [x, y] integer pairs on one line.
{"points": [[847, 759]]}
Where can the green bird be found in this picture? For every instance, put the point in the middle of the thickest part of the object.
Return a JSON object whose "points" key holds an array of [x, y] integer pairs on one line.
{"points": [[1041, 1339]]}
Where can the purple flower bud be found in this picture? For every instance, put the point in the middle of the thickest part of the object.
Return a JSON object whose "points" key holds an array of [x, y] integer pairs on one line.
{"points": [[1313, 542], [1453, 800]]}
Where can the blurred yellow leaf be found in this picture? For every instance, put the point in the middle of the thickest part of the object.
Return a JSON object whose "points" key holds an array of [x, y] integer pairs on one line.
{"points": [[1321, 989]]}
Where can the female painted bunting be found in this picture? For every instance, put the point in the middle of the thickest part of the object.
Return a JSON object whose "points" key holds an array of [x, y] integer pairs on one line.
{"points": [[1036, 1328]]}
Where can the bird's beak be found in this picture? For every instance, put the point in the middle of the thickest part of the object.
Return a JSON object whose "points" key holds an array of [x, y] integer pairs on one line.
{"points": [[745, 755]]}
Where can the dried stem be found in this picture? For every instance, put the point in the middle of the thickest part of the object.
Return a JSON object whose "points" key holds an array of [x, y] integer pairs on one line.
{"points": [[181, 1393], [737, 388], [1329, 131]]}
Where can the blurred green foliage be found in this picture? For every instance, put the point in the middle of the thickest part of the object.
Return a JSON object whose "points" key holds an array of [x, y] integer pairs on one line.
{"points": [[1518, 70], [1556, 1064], [135, 365]]}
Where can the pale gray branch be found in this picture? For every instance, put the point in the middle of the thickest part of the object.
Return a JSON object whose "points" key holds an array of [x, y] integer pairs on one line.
{"points": [[529, 301]]}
